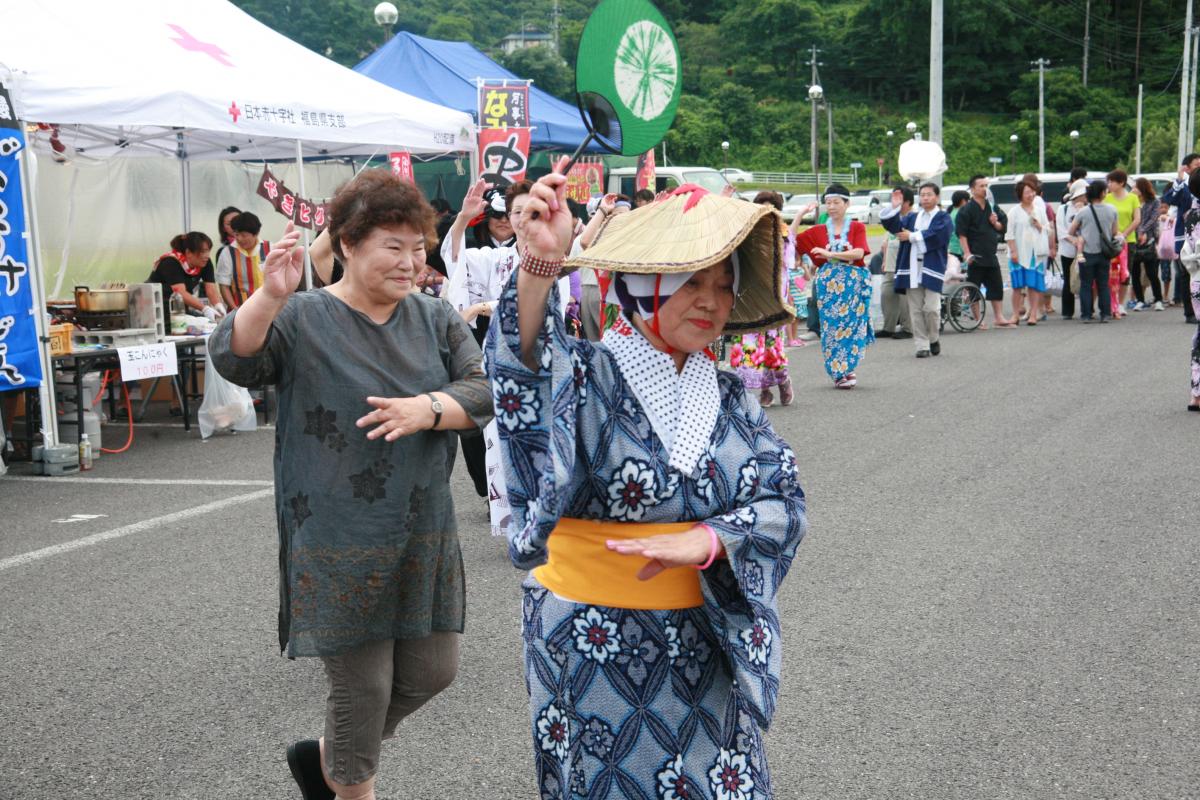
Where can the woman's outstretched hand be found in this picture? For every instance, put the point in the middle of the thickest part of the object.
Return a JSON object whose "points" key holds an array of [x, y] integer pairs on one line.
{"points": [[546, 222], [284, 265], [666, 551]]}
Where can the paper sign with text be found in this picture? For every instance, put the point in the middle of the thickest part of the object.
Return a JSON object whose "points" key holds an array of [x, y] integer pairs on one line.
{"points": [[148, 361]]}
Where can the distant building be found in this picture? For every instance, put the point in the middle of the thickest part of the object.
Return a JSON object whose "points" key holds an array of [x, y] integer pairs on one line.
{"points": [[531, 37]]}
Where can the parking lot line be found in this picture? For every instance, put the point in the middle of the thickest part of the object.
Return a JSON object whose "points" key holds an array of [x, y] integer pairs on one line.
{"points": [[132, 528], [141, 481]]}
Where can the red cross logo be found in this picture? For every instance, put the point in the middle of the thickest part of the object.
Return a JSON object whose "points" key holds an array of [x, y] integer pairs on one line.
{"points": [[189, 42], [234, 111]]}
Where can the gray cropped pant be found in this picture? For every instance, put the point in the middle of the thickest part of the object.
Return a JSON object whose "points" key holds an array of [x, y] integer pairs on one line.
{"points": [[372, 688]]}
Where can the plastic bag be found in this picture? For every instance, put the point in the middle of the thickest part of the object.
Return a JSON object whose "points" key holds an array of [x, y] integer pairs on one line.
{"points": [[226, 405], [1054, 280], [876, 306]]}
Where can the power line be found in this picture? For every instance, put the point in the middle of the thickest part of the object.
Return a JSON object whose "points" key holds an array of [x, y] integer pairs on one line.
{"points": [[1037, 23], [1077, 5]]}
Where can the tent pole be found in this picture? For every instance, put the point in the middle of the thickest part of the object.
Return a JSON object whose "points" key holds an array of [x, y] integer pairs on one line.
{"points": [[308, 281], [185, 180], [34, 255]]}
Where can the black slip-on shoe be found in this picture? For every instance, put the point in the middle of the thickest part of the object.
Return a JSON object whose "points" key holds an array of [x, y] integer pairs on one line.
{"points": [[902, 335], [935, 348], [922, 354], [304, 760], [885, 334]]}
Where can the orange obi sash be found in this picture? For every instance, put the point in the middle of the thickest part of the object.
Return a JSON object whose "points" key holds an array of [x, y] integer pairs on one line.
{"points": [[581, 568]]}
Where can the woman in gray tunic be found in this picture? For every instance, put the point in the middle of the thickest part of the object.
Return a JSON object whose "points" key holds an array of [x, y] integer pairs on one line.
{"points": [[373, 380]]}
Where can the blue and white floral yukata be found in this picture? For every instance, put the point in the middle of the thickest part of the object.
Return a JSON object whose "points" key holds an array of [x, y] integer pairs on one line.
{"points": [[636, 703]]}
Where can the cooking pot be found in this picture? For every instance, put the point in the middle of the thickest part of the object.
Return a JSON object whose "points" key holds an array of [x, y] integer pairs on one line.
{"points": [[88, 299]]}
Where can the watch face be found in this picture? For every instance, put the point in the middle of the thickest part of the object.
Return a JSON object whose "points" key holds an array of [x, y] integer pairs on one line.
{"points": [[437, 407]]}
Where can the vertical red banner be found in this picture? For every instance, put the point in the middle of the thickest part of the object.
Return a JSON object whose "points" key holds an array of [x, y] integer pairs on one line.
{"points": [[402, 166], [503, 155], [645, 171]]}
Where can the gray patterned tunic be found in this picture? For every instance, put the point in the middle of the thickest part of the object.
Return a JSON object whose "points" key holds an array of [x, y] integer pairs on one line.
{"points": [[368, 545]]}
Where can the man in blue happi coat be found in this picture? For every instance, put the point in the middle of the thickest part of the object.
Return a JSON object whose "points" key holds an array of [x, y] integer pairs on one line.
{"points": [[921, 263]]}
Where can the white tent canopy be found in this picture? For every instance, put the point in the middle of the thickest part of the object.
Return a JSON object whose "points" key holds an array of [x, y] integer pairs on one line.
{"points": [[200, 79]]}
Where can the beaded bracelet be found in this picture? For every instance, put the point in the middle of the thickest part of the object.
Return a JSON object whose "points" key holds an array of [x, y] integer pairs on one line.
{"points": [[542, 267], [713, 547]]}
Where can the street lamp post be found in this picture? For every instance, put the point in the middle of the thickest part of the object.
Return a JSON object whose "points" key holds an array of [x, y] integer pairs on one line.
{"points": [[1012, 152], [815, 93], [890, 134], [1074, 141], [386, 15], [725, 158]]}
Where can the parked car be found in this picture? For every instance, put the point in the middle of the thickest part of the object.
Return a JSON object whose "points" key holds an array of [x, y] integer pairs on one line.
{"points": [[864, 209], [948, 192], [737, 175], [622, 180], [796, 202], [750, 194]]}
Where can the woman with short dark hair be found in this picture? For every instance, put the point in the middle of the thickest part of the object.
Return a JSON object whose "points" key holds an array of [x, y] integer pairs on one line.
{"points": [[842, 286], [1028, 239], [374, 377], [182, 270], [1145, 251]]}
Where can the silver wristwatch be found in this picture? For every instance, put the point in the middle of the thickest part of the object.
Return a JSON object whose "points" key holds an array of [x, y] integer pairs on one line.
{"points": [[438, 408]]}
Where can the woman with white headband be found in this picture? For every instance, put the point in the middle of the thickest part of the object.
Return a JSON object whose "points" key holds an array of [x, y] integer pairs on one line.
{"points": [[654, 503], [843, 285]]}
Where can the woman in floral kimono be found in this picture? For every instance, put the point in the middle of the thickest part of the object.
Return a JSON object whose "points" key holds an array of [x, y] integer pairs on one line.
{"points": [[838, 249], [657, 542], [760, 359]]}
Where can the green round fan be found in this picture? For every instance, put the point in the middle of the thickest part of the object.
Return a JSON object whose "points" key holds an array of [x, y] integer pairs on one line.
{"points": [[627, 76]]}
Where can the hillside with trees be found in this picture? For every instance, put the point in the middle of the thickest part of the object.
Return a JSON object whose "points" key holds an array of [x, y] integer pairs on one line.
{"points": [[746, 71]]}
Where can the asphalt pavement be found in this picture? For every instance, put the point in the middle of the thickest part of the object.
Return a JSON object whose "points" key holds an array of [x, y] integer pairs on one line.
{"points": [[997, 598]]}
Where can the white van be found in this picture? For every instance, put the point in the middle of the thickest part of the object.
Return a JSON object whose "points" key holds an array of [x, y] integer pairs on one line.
{"points": [[623, 180], [1054, 187]]}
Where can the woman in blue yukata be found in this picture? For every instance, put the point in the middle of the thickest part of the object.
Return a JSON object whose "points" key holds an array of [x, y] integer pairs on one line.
{"points": [[656, 507]]}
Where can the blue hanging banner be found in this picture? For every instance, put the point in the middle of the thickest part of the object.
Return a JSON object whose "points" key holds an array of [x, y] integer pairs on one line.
{"points": [[20, 363]]}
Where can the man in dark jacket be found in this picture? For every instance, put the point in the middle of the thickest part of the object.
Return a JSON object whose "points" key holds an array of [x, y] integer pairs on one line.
{"points": [[1180, 196]]}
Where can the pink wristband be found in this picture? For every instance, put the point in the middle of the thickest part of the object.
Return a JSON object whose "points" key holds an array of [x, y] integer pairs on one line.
{"points": [[714, 545]]}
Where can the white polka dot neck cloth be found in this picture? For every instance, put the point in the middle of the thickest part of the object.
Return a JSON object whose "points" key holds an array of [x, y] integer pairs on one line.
{"points": [[666, 395]]}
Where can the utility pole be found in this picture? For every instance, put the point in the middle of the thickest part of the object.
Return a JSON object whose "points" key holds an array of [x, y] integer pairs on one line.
{"points": [[1137, 152], [554, 27], [1041, 64], [1191, 126], [935, 71], [1184, 93], [1087, 37], [813, 99]]}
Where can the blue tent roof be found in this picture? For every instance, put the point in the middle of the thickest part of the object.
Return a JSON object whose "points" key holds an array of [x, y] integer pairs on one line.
{"points": [[445, 73]]}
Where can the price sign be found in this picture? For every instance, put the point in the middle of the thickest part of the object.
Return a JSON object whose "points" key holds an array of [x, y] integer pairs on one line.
{"points": [[148, 361]]}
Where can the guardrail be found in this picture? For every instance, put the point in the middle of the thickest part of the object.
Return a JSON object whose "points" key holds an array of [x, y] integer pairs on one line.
{"points": [[802, 177]]}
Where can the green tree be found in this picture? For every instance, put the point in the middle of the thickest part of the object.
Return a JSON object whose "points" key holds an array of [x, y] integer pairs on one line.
{"points": [[545, 68]]}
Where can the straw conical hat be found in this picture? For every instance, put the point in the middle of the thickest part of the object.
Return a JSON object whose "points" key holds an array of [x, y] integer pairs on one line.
{"points": [[692, 230]]}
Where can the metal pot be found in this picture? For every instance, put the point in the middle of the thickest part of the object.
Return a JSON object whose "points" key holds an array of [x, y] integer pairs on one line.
{"points": [[87, 299]]}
